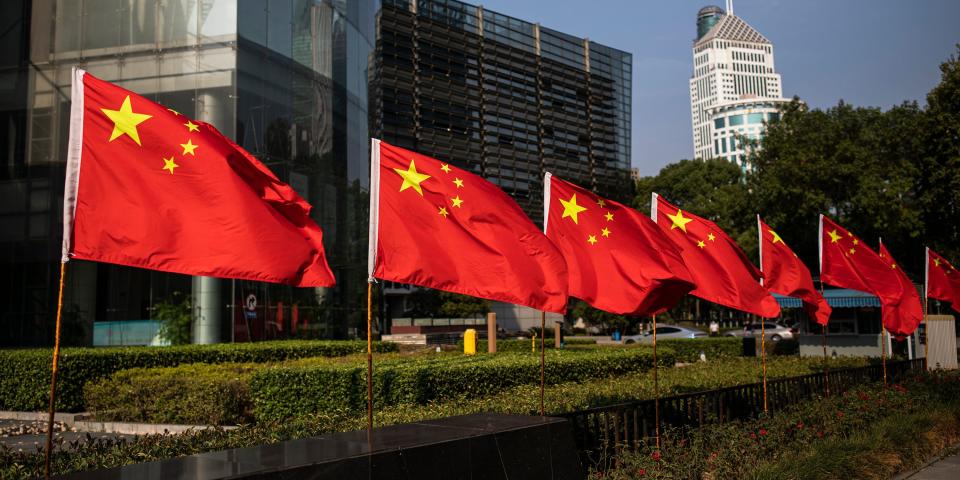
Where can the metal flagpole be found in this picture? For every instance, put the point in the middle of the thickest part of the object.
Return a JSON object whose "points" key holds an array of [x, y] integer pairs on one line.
{"points": [[763, 355], [926, 325], [823, 328], [53, 372], [883, 353], [369, 360], [656, 385], [543, 333]]}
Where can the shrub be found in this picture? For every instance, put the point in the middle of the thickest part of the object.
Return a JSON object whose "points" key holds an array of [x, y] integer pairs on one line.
{"points": [[688, 350], [285, 392], [25, 374], [195, 393]]}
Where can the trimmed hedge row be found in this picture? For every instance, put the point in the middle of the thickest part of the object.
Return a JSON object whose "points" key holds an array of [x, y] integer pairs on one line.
{"points": [[25, 374], [688, 350], [285, 392]]}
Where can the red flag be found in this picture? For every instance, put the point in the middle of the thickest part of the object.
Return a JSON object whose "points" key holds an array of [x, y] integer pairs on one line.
{"points": [[942, 281], [148, 187], [785, 274], [619, 260], [911, 314], [846, 261], [434, 225], [722, 272]]}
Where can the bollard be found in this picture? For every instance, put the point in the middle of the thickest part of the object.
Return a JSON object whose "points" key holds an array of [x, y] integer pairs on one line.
{"points": [[556, 335], [491, 332], [533, 342], [470, 342]]}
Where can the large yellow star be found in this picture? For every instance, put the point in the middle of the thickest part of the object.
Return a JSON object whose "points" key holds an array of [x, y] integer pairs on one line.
{"points": [[679, 221], [834, 237], [776, 238], [571, 209], [189, 147], [411, 178], [125, 121], [169, 165]]}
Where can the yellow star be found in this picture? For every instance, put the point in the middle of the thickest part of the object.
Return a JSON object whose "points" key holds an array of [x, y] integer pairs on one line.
{"points": [[601, 203], [458, 182], [936, 262], [592, 239], [834, 237], [856, 242], [701, 244], [711, 237], [456, 201], [571, 209], [193, 127], [852, 251], [894, 266], [445, 168], [609, 216], [412, 179], [125, 121], [776, 238], [679, 221], [605, 232], [169, 165], [443, 211], [174, 111], [189, 147]]}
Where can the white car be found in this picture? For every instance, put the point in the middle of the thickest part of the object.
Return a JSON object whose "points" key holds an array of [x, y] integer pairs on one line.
{"points": [[665, 332], [774, 331]]}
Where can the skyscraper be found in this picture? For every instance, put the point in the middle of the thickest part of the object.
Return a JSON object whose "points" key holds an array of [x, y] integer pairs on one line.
{"points": [[734, 88]]}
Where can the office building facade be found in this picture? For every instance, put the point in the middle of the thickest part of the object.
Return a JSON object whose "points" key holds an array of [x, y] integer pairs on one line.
{"points": [[505, 98], [734, 88]]}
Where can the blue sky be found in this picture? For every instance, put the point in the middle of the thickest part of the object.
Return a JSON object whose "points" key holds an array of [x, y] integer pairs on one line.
{"points": [[866, 52]]}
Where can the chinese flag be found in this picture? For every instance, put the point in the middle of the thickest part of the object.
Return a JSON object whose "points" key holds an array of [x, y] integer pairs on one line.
{"points": [[619, 260], [434, 225], [722, 272], [148, 187], [942, 280], [785, 274], [912, 313], [846, 261]]}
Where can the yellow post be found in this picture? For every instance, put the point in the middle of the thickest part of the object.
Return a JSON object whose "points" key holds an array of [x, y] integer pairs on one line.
{"points": [[533, 343], [470, 342]]}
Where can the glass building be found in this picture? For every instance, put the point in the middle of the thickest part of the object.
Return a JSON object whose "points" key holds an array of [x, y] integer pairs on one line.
{"points": [[503, 97], [287, 79]]}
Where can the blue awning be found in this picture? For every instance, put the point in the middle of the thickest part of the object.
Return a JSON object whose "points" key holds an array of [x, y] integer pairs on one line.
{"points": [[836, 298]]}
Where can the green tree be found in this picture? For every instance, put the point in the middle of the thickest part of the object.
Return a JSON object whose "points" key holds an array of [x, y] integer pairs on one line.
{"points": [[427, 302], [175, 318]]}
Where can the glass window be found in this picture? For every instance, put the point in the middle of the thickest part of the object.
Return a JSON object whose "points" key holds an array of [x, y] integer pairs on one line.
{"points": [[755, 118], [736, 120], [101, 23], [773, 117], [718, 123]]}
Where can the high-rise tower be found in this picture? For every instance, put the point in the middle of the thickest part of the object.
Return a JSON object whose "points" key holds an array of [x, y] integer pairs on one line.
{"points": [[734, 89]]}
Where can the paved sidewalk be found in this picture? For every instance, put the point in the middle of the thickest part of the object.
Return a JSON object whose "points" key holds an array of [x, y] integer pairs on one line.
{"points": [[946, 469]]}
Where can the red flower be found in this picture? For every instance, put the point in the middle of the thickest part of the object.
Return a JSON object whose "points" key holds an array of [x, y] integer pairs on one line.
{"points": [[800, 425], [840, 414], [763, 431], [753, 435], [819, 434], [642, 472], [655, 456]]}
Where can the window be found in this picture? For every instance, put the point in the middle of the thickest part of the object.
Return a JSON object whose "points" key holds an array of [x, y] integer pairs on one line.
{"points": [[755, 118], [773, 117], [718, 123], [663, 330], [736, 120]]}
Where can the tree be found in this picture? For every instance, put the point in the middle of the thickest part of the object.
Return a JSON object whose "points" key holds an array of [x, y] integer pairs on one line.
{"points": [[175, 318], [427, 302]]}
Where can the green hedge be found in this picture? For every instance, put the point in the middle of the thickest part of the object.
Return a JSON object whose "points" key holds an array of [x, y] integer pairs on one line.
{"points": [[285, 392], [688, 350], [195, 393], [25, 374]]}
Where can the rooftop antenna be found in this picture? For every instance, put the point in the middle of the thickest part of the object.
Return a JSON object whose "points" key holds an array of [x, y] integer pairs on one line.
{"points": [[730, 7]]}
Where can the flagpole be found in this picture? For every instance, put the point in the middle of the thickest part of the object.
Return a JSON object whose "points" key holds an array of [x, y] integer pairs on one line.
{"points": [[763, 356], [926, 287], [883, 353], [823, 328], [543, 333], [369, 360], [656, 385], [53, 372]]}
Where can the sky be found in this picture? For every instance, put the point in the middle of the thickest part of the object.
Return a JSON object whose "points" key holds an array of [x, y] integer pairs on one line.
{"points": [[876, 53]]}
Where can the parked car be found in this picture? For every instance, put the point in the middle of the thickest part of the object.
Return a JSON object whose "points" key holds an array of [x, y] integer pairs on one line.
{"points": [[665, 332], [775, 332]]}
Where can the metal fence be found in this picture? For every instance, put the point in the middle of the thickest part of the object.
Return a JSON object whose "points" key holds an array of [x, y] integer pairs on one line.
{"points": [[601, 432]]}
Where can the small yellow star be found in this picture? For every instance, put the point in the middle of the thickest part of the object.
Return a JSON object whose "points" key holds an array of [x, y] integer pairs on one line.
{"points": [[169, 165], [445, 168], [852, 251], [174, 111], [411, 178], [894, 266], [776, 238], [711, 236], [189, 147], [571, 208], [601, 203], [679, 221], [592, 239], [193, 127], [609, 216], [125, 121], [443, 211], [936, 262], [701, 244], [856, 242], [458, 182], [605, 232], [834, 237], [456, 201]]}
